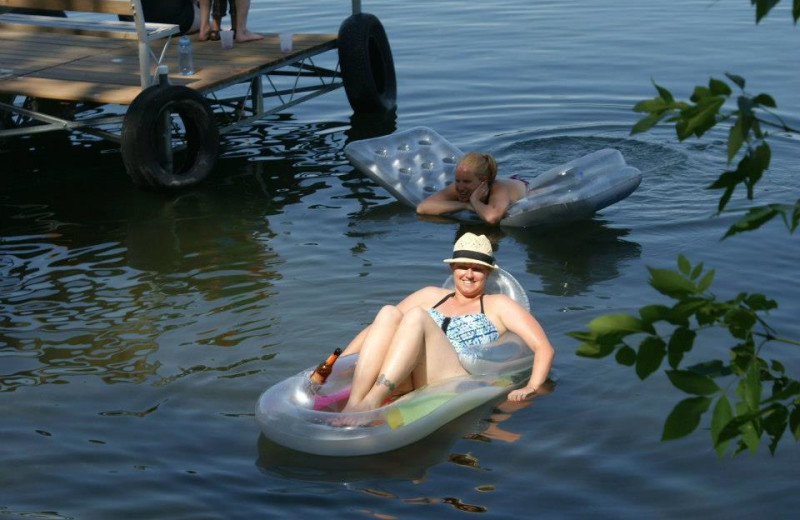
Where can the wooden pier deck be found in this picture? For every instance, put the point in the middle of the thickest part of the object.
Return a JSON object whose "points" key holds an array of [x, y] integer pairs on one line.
{"points": [[106, 71]]}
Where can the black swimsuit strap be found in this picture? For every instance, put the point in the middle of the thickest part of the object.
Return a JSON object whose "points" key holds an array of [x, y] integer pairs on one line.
{"points": [[446, 320], [444, 299], [453, 294]]}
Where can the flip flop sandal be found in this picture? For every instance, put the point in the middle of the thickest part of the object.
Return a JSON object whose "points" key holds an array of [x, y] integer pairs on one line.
{"points": [[213, 35]]}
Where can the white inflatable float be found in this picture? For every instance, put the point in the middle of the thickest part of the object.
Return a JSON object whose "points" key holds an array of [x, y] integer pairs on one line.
{"points": [[303, 416], [418, 162]]}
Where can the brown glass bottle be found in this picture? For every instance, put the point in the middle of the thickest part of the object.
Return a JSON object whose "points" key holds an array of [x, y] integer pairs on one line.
{"points": [[324, 369]]}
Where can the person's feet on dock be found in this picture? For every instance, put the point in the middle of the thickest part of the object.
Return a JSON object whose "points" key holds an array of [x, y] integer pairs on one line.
{"points": [[246, 36]]}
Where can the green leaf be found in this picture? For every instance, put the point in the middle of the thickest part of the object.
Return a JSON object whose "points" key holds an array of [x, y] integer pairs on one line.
{"points": [[622, 324], [736, 138], [670, 283], [656, 104], [740, 322], [775, 424], [787, 391], [795, 216], [705, 282], [681, 341], [684, 265], [752, 386], [701, 119], [692, 383], [582, 335], [763, 7], [700, 93], [794, 422], [736, 79], [685, 417], [665, 94], [594, 350], [760, 215], [653, 313], [626, 356], [759, 302], [651, 353], [686, 307], [753, 219], [750, 436], [719, 419], [714, 368], [718, 87], [647, 122], [696, 271], [765, 100], [745, 105]]}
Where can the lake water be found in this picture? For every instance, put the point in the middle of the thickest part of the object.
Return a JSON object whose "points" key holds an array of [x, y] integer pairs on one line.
{"points": [[137, 330]]}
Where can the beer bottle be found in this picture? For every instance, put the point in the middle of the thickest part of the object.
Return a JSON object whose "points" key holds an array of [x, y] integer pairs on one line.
{"points": [[324, 369]]}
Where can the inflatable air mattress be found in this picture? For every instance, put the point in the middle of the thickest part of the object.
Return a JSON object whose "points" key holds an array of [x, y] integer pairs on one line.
{"points": [[304, 416], [418, 162]]}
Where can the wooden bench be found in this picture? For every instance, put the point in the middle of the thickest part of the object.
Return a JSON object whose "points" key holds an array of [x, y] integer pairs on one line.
{"points": [[137, 29]]}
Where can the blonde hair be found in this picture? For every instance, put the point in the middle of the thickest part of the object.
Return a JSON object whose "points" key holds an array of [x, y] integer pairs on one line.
{"points": [[482, 164]]}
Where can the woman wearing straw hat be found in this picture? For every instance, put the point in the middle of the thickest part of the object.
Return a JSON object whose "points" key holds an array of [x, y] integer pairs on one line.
{"points": [[421, 339], [476, 188]]}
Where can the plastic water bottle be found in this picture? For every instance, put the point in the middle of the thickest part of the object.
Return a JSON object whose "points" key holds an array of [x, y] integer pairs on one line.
{"points": [[185, 67]]}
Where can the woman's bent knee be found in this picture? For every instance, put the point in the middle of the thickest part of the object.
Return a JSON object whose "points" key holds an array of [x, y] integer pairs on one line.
{"points": [[417, 315], [389, 313]]}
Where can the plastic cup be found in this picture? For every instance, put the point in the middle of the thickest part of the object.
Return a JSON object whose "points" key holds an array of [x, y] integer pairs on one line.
{"points": [[226, 39], [286, 42]]}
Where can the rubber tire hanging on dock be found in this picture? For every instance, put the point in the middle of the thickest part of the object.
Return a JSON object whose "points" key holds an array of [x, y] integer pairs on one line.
{"points": [[367, 65], [148, 159]]}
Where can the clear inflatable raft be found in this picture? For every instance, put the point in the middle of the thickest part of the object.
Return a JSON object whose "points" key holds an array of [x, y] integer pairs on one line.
{"points": [[418, 162], [306, 417]]}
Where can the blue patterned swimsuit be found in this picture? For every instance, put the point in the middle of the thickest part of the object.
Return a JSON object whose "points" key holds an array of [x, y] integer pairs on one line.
{"points": [[467, 333]]}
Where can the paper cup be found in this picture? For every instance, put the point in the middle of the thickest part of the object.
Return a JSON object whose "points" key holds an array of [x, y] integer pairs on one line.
{"points": [[286, 42], [226, 39]]}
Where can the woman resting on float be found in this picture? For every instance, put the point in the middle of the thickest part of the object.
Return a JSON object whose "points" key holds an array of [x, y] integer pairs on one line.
{"points": [[476, 188], [423, 338]]}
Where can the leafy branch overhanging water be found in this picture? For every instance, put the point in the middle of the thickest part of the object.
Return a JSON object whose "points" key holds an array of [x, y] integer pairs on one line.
{"points": [[766, 401]]}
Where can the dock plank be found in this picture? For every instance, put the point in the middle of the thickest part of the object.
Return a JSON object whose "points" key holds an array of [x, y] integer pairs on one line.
{"points": [[101, 70]]}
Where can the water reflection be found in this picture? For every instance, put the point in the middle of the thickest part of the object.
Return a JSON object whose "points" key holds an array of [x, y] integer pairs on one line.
{"points": [[408, 463], [94, 273], [367, 126], [571, 259], [482, 424]]}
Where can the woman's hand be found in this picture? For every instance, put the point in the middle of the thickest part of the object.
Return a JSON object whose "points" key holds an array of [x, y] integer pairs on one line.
{"points": [[523, 393], [480, 193]]}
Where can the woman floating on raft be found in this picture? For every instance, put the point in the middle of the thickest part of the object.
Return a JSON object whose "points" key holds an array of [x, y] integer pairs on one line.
{"points": [[426, 337], [476, 188]]}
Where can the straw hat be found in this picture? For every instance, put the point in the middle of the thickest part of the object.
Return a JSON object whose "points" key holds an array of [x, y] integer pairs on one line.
{"points": [[473, 249]]}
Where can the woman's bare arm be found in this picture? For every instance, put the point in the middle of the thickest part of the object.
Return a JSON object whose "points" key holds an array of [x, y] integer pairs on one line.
{"points": [[499, 199], [516, 319], [443, 201]]}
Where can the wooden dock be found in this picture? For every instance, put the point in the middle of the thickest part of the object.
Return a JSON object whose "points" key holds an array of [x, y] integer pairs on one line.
{"points": [[169, 126], [106, 71]]}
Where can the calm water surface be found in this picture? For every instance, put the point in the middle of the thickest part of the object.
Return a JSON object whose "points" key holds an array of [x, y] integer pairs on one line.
{"points": [[137, 330]]}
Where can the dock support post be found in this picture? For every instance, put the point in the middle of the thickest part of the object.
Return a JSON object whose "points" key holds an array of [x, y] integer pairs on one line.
{"points": [[257, 91]]}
